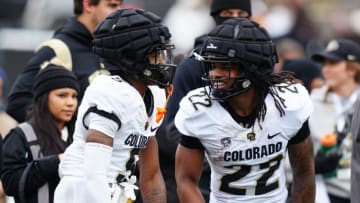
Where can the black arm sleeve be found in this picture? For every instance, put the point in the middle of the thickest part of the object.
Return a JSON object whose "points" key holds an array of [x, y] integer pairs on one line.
{"points": [[302, 134], [20, 95], [16, 157]]}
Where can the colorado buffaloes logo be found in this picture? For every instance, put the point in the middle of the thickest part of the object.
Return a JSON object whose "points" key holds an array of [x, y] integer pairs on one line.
{"points": [[251, 136], [226, 142]]}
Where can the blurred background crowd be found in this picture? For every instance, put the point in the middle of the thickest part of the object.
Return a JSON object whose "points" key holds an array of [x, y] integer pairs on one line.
{"points": [[300, 27]]}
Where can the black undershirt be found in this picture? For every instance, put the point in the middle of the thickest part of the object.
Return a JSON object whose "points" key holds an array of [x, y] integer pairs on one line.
{"points": [[246, 121]]}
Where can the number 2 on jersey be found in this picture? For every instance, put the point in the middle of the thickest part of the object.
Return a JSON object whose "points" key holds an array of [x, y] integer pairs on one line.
{"points": [[261, 184], [201, 99]]}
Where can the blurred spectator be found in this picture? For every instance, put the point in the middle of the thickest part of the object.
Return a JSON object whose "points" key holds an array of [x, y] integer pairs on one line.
{"points": [[3, 82], [333, 109], [32, 150], [7, 122], [305, 70], [279, 20], [304, 28], [44, 14], [137, 4], [354, 21], [339, 23], [287, 49], [186, 21], [289, 19], [72, 44], [9, 12]]}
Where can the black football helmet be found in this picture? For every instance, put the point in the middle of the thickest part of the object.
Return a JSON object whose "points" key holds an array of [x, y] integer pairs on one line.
{"points": [[134, 41], [241, 43]]}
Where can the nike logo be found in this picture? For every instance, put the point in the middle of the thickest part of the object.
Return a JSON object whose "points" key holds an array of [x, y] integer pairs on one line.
{"points": [[274, 135], [153, 129]]}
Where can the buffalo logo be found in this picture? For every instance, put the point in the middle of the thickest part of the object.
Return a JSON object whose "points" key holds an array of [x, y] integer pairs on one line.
{"points": [[251, 136], [226, 142]]}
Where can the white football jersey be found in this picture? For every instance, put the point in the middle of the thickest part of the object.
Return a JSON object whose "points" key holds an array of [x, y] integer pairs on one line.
{"points": [[111, 94], [246, 164]]}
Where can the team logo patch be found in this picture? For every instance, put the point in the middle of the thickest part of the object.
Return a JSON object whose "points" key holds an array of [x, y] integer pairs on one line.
{"points": [[226, 142], [251, 136]]}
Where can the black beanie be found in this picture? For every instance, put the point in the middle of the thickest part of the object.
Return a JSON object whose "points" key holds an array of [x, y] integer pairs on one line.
{"points": [[305, 69], [54, 77], [218, 5]]}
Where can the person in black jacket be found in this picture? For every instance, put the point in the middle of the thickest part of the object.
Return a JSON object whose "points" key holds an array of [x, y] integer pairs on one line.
{"points": [[72, 44], [188, 77], [32, 150]]}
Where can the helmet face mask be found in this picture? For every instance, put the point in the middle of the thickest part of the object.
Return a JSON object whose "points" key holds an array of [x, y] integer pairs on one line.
{"points": [[163, 54], [223, 87]]}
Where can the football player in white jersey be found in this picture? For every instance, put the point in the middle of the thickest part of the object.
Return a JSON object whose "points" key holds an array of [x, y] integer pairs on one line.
{"points": [[119, 115], [244, 122]]}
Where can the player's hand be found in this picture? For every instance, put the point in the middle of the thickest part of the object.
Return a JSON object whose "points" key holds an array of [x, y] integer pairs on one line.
{"points": [[327, 163]]}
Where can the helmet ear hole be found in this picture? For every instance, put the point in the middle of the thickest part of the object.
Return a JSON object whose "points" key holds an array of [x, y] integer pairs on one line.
{"points": [[231, 53], [246, 84], [147, 73]]}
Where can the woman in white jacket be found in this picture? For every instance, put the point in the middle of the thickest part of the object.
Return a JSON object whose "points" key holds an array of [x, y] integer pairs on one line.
{"points": [[333, 109]]}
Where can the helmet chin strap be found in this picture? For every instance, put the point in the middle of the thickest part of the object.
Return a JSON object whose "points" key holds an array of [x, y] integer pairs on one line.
{"points": [[239, 87], [158, 76]]}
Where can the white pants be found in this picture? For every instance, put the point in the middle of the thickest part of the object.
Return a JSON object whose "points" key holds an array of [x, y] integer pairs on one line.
{"points": [[71, 189]]}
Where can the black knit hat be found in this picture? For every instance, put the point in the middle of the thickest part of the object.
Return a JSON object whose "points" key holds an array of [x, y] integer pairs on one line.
{"points": [[218, 5], [305, 70], [54, 77]]}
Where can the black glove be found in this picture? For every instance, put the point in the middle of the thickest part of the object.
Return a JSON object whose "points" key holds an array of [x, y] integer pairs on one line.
{"points": [[327, 163]]}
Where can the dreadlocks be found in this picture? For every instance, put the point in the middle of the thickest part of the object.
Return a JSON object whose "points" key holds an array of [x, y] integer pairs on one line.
{"points": [[265, 84]]}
